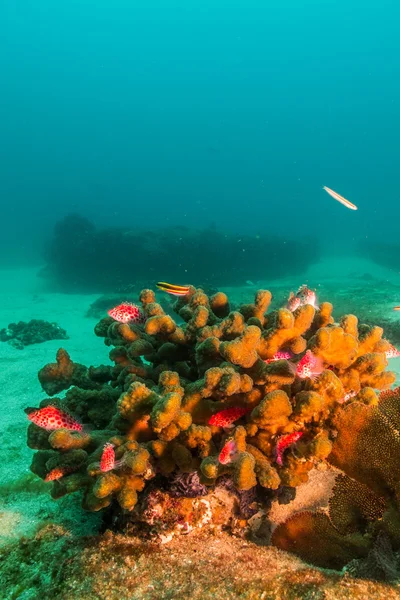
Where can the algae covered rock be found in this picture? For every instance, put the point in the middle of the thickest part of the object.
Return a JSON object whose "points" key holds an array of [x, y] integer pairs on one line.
{"points": [[36, 331]]}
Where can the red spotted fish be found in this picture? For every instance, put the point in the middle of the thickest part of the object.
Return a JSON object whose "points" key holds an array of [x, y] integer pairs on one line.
{"points": [[52, 417], [225, 418], [57, 473], [107, 460], [281, 355], [293, 302], [309, 366], [392, 352], [127, 312], [306, 296], [228, 453], [283, 442], [302, 297]]}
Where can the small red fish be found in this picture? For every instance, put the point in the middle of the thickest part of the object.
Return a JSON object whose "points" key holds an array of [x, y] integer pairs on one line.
{"points": [[306, 296], [282, 355], [126, 312], [309, 366], [51, 417], [57, 473], [228, 453], [283, 442], [293, 302], [225, 418], [107, 461], [174, 290], [392, 352], [302, 297]]}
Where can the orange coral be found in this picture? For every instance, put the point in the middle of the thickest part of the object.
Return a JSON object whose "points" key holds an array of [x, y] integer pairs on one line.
{"points": [[287, 331], [258, 309], [273, 411], [155, 403], [365, 501], [60, 375], [334, 346], [243, 350]]}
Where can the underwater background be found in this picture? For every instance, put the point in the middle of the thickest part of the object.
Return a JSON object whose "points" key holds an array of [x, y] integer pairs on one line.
{"points": [[229, 114], [186, 142]]}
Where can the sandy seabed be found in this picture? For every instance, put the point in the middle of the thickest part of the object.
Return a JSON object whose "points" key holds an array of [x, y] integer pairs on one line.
{"points": [[52, 549]]}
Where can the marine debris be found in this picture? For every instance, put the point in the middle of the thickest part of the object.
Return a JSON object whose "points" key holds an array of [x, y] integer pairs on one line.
{"points": [[194, 405], [36, 331]]}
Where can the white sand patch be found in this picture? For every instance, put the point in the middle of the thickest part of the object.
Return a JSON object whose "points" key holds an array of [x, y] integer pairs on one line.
{"points": [[9, 524], [312, 495], [23, 299]]}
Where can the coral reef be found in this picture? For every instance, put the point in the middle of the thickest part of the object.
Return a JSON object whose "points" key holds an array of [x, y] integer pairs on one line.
{"points": [[156, 410], [372, 299], [160, 514], [363, 524], [36, 331], [81, 257]]}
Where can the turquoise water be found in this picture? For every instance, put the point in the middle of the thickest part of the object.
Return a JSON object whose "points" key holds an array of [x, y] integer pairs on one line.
{"points": [[197, 113]]}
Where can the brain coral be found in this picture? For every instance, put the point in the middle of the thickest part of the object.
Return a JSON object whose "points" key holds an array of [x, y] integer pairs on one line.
{"points": [[169, 379]]}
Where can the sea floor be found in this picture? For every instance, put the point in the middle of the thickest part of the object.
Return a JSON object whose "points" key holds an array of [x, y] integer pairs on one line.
{"points": [[52, 549]]}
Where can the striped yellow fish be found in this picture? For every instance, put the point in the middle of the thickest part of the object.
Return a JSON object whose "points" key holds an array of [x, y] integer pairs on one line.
{"points": [[340, 198], [175, 290]]}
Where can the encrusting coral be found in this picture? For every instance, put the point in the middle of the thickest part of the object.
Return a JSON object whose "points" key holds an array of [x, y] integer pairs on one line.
{"points": [[169, 404], [363, 523]]}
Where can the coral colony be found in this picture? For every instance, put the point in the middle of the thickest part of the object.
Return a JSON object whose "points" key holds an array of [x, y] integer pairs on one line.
{"points": [[23, 334], [246, 401]]}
